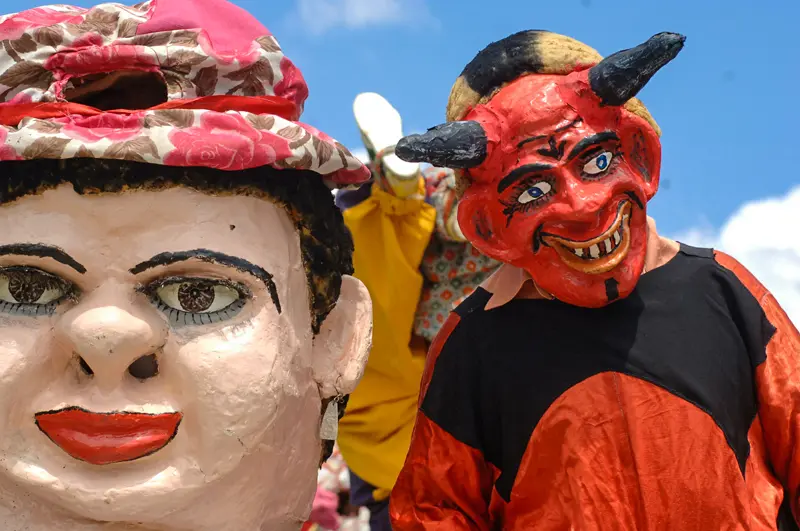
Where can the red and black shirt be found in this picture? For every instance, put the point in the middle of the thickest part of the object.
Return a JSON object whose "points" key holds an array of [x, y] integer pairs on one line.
{"points": [[677, 408]]}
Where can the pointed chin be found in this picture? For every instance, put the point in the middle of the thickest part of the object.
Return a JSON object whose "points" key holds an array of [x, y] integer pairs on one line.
{"points": [[556, 270]]}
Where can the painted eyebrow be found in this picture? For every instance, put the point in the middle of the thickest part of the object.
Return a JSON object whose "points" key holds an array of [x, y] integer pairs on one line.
{"points": [[531, 139], [43, 251], [518, 173], [213, 257], [581, 146]]}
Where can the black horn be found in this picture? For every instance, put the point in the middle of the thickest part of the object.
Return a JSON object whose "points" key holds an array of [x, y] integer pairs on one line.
{"points": [[619, 77], [451, 145]]}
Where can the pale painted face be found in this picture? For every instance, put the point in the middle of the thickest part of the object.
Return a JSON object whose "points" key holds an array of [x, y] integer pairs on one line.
{"points": [[230, 415]]}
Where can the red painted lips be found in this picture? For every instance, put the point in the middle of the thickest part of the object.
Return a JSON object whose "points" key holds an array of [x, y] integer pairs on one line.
{"points": [[104, 438]]}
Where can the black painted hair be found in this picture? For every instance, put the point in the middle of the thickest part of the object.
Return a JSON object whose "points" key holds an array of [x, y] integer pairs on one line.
{"points": [[523, 53], [501, 62], [504, 61], [325, 242]]}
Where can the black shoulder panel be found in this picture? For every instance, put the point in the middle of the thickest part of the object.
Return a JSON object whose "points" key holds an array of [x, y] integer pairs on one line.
{"points": [[690, 327]]}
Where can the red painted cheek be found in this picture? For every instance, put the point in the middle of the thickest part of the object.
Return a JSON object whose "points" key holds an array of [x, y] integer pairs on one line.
{"points": [[590, 290]]}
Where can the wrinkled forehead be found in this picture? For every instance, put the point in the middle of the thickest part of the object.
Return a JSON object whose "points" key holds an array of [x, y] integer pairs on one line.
{"points": [[532, 105], [543, 107], [531, 120]]}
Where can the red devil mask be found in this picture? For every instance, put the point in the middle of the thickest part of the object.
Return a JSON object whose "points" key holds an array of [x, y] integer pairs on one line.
{"points": [[560, 174]]}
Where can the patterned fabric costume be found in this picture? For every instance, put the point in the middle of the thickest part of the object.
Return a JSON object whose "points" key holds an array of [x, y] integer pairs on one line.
{"points": [[452, 268], [230, 99], [572, 391]]}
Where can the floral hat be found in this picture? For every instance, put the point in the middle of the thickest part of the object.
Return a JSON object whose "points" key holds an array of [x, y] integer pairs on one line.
{"points": [[204, 84]]}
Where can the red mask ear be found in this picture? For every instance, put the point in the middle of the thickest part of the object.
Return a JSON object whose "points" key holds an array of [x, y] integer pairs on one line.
{"points": [[481, 228], [642, 147]]}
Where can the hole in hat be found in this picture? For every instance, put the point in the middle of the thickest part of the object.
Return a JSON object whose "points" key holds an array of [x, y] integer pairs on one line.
{"points": [[126, 89]]}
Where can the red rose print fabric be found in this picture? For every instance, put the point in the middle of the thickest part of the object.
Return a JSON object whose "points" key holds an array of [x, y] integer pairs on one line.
{"points": [[201, 49]]}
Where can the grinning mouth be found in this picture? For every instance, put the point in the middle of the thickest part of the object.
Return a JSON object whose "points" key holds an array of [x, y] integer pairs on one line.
{"points": [[105, 438], [601, 253]]}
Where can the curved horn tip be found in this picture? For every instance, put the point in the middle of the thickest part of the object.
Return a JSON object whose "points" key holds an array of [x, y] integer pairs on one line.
{"points": [[408, 149], [620, 76], [670, 37], [671, 43], [449, 145]]}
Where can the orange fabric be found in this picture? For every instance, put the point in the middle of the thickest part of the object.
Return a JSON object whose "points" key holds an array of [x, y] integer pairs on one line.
{"points": [[445, 485], [11, 115], [765, 491], [616, 452], [778, 386], [461, 472], [613, 460]]}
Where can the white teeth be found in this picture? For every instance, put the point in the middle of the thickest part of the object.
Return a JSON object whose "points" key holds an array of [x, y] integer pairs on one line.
{"points": [[604, 248]]}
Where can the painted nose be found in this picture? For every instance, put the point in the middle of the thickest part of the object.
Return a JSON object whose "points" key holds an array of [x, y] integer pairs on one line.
{"points": [[112, 341], [586, 199]]}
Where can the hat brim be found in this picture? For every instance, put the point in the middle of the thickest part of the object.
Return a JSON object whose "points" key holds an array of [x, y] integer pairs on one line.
{"points": [[230, 141]]}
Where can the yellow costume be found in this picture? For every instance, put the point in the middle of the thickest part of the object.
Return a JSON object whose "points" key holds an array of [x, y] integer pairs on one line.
{"points": [[391, 236]]}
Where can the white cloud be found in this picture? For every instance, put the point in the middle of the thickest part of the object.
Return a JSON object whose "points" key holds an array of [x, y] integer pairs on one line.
{"points": [[319, 16], [763, 235]]}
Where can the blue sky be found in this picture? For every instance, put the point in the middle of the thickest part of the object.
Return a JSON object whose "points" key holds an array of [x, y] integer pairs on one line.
{"points": [[728, 105]]}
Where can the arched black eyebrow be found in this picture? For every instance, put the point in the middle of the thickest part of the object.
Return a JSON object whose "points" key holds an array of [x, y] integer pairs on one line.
{"points": [[589, 141], [518, 173], [43, 251], [206, 255]]}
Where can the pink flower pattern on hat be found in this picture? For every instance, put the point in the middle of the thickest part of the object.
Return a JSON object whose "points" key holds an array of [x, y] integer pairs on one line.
{"points": [[14, 27], [108, 126], [225, 142], [6, 152], [199, 48]]}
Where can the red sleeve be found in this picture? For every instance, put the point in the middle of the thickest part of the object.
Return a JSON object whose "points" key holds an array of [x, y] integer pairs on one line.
{"points": [[778, 386], [445, 484]]}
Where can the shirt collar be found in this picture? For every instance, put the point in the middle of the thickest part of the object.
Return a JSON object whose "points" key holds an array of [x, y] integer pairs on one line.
{"points": [[505, 284]]}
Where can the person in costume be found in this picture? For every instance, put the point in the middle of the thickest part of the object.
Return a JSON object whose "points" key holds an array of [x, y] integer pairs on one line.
{"points": [[605, 377], [416, 264], [180, 324]]}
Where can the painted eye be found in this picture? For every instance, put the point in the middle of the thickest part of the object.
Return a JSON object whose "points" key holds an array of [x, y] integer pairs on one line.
{"points": [[197, 296], [598, 164], [537, 191], [32, 287]]}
